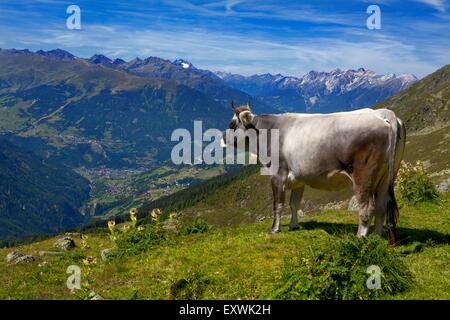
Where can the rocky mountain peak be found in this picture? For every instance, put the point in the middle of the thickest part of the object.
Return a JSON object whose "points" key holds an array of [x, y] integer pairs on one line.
{"points": [[99, 59], [183, 64]]}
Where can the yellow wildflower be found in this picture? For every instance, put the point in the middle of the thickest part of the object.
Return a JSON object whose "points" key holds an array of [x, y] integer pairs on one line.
{"points": [[111, 225], [133, 214], [155, 214], [173, 215], [89, 260]]}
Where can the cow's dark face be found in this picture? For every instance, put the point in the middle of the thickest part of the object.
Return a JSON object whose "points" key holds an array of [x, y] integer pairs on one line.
{"points": [[239, 122]]}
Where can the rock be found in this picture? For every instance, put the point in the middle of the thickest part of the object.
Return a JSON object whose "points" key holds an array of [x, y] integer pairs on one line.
{"points": [[16, 257], [353, 204], [95, 296], [444, 186], [65, 243], [43, 264], [43, 253], [338, 205], [74, 234], [105, 253]]}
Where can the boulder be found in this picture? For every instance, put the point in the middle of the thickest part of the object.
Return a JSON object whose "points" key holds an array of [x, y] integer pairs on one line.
{"points": [[444, 186], [43, 253], [95, 296], [73, 234], [16, 257], [65, 243]]}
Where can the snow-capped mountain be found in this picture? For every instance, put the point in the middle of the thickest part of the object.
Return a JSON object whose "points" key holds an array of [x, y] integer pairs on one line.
{"points": [[183, 63], [321, 91], [337, 90]]}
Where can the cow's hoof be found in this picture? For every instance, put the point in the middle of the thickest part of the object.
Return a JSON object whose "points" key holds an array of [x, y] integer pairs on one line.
{"points": [[293, 228], [274, 231]]}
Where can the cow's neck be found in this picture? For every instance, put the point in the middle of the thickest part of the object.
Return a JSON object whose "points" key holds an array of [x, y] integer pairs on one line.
{"points": [[266, 121]]}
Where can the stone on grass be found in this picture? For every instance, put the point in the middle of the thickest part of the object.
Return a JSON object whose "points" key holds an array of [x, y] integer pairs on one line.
{"points": [[43, 253], [16, 257], [95, 296], [65, 243], [444, 186]]}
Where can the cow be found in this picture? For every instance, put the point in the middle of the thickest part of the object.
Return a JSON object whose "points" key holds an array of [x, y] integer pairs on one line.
{"points": [[361, 148]]}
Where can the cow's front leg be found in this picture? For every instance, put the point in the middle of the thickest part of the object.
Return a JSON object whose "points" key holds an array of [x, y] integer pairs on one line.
{"points": [[279, 191], [294, 203]]}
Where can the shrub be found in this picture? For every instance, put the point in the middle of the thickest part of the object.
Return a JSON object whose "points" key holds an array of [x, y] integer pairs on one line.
{"points": [[414, 184], [198, 225], [340, 271], [189, 288], [132, 239]]}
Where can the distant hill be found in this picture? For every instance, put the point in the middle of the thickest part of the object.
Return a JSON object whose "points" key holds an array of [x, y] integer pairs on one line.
{"points": [[321, 92], [186, 73], [37, 197], [88, 114], [424, 104]]}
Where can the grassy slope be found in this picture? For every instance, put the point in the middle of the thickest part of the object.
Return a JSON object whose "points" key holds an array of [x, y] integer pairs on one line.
{"points": [[425, 104], [241, 262]]}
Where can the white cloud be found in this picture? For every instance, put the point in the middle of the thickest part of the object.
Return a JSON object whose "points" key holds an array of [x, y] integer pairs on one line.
{"points": [[439, 5], [246, 54]]}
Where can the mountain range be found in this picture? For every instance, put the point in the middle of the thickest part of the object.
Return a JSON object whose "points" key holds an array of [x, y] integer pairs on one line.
{"points": [[322, 92]]}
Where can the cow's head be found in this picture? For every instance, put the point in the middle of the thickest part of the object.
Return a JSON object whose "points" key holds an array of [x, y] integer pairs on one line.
{"points": [[241, 122]]}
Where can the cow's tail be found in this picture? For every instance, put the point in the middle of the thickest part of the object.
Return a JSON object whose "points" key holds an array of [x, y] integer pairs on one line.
{"points": [[392, 208]]}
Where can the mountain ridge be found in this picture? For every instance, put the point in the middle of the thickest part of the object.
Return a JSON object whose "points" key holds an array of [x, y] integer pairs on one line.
{"points": [[337, 90]]}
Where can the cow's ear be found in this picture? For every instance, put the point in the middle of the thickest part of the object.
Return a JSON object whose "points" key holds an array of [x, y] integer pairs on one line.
{"points": [[246, 117]]}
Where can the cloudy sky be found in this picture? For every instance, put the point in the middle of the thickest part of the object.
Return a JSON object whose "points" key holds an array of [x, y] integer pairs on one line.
{"points": [[242, 36]]}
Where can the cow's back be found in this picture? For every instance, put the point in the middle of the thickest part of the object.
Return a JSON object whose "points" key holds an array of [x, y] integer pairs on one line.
{"points": [[315, 144]]}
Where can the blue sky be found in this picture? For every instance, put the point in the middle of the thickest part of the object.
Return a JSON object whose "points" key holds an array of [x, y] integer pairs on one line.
{"points": [[242, 36]]}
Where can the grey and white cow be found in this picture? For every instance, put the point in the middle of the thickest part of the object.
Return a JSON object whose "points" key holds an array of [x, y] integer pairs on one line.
{"points": [[330, 151]]}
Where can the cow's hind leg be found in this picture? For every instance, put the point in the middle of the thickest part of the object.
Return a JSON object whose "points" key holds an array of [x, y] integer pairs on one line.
{"points": [[381, 206], [294, 203], [365, 179], [366, 213], [279, 192]]}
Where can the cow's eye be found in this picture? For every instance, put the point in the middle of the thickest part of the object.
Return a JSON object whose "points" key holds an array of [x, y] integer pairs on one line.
{"points": [[233, 124]]}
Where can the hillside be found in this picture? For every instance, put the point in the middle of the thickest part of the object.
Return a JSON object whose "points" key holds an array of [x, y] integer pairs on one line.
{"points": [[37, 197], [424, 104], [224, 263]]}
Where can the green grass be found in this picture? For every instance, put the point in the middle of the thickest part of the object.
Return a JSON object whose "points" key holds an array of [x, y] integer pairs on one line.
{"points": [[240, 262]]}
